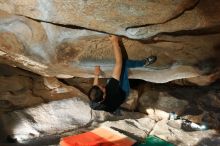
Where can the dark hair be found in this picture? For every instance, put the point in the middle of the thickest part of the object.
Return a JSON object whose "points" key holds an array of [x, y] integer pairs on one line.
{"points": [[95, 94]]}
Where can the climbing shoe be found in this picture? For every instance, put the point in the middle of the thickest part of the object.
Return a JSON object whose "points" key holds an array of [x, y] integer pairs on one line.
{"points": [[149, 60]]}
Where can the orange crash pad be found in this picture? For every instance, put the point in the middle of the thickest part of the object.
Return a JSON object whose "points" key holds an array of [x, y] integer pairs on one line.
{"points": [[100, 136]]}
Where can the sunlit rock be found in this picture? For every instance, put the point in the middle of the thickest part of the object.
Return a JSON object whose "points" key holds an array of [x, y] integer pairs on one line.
{"points": [[46, 119], [179, 137], [158, 101], [61, 116]]}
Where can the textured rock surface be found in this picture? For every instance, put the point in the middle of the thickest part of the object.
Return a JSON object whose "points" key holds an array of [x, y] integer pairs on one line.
{"points": [[113, 16], [42, 121], [37, 121], [175, 16], [204, 15], [181, 138], [60, 41], [198, 104], [15, 92], [67, 38], [57, 93], [160, 98], [20, 89], [58, 117], [52, 50]]}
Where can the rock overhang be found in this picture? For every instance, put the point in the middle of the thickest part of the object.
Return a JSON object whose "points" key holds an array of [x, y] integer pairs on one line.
{"points": [[73, 44]]}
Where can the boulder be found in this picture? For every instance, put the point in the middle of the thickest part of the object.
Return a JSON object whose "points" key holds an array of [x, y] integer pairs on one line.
{"points": [[197, 104], [66, 39], [62, 117], [55, 90], [204, 15], [46, 119], [182, 138], [157, 102], [15, 83], [56, 51], [21, 89], [16, 92], [10, 101], [113, 16]]}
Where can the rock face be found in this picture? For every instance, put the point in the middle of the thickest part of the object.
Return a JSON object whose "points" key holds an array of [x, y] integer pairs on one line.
{"points": [[113, 16], [156, 100], [198, 138], [61, 116], [21, 89], [34, 121], [40, 110], [68, 38], [203, 15]]}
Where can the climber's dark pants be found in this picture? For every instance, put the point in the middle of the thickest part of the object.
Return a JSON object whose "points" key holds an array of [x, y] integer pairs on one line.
{"points": [[124, 81]]}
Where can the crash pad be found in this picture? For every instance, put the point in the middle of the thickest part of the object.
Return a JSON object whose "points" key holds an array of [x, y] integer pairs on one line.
{"points": [[152, 140], [104, 136]]}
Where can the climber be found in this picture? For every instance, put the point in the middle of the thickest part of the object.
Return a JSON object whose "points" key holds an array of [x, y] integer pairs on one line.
{"points": [[110, 97]]}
